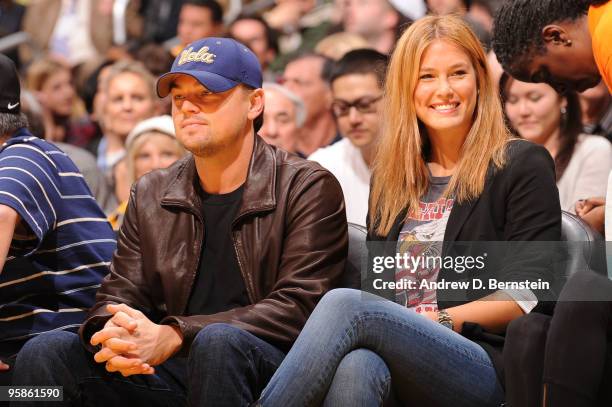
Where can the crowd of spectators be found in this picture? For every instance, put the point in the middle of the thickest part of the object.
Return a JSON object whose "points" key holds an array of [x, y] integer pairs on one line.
{"points": [[89, 68], [76, 58]]}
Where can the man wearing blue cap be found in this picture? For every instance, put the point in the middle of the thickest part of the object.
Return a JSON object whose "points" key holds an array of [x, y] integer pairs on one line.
{"points": [[220, 260]]}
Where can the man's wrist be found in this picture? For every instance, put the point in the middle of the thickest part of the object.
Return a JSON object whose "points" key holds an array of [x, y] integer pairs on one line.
{"points": [[174, 336]]}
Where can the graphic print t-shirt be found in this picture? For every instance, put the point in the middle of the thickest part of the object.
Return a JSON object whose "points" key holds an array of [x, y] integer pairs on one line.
{"points": [[421, 238]]}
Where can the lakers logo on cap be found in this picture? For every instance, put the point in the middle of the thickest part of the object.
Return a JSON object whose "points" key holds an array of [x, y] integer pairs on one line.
{"points": [[202, 55]]}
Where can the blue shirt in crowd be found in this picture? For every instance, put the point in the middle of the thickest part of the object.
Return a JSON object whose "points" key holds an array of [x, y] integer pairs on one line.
{"points": [[68, 246]]}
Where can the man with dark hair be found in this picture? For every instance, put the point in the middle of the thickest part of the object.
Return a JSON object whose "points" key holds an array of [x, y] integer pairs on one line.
{"points": [[221, 257], [55, 242], [565, 43], [357, 83], [197, 19], [255, 33], [307, 75], [362, 62]]}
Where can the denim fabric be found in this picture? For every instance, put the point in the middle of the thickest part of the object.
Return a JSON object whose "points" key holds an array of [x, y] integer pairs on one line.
{"points": [[429, 364], [226, 367], [58, 359], [230, 367], [361, 380]]}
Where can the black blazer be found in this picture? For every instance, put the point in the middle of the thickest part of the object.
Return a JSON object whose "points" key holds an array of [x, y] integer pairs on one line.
{"points": [[520, 203]]}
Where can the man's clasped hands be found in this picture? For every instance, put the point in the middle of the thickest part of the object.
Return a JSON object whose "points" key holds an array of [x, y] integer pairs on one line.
{"points": [[132, 344]]}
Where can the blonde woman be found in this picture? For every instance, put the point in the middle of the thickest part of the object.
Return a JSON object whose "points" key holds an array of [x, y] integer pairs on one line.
{"points": [[446, 170], [129, 97], [152, 144]]}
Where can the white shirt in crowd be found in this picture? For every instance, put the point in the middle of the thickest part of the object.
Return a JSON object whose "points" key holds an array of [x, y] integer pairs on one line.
{"points": [[71, 36], [587, 172], [346, 163]]}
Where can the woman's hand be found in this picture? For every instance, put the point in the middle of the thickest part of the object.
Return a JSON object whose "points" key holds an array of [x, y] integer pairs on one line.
{"points": [[592, 211], [4, 367]]}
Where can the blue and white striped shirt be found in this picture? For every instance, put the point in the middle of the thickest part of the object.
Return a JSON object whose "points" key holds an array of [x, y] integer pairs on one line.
{"points": [[68, 246]]}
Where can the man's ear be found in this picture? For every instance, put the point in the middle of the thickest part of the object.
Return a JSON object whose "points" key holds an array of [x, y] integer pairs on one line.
{"points": [[554, 34], [256, 103]]}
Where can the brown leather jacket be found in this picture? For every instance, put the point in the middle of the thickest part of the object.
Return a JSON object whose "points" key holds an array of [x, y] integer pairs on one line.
{"points": [[290, 238]]}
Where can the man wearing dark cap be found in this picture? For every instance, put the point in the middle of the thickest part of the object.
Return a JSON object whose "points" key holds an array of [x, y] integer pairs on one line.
{"points": [[220, 260], [55, 242]]}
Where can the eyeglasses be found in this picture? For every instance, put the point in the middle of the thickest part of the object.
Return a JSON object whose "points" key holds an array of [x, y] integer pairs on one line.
{"points": [[365, 104]]}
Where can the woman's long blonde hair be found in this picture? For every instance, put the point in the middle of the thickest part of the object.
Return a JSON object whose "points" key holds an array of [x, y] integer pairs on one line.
{"points": [[400, 175]]}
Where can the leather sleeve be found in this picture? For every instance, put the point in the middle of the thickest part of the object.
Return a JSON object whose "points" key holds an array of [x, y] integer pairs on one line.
{"points": [[125, 284]]}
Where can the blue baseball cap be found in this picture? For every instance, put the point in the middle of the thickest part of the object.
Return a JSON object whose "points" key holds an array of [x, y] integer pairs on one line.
{"points": [[217, 63]]}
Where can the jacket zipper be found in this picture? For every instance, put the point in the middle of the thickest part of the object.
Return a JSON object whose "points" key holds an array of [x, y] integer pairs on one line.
{"points": [[198, 251], [197, 263], [245, 275]]}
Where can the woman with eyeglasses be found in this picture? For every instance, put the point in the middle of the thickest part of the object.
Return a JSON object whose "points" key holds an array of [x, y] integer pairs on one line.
{"points": [[446, 170]]}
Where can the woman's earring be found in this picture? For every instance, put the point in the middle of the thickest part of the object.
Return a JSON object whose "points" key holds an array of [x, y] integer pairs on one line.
{"points": [[563, 116]]}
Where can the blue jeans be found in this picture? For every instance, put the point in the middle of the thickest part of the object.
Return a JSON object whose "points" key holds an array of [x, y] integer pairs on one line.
{"points": [[226, 366], [354, 343]]}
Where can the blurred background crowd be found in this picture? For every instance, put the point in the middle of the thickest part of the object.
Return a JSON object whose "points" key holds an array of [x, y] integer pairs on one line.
{"points": [[89, 70]]}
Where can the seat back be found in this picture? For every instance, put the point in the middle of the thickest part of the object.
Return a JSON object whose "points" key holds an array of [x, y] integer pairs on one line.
{"points": [[586, 248], [351, 278]]}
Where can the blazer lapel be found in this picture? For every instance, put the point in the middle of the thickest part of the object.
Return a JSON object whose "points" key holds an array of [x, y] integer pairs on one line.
{"points": [[461, 211], [459, 214]]}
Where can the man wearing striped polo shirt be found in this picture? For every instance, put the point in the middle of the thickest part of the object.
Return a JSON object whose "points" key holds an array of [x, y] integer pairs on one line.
{"points": [[55, 242]]}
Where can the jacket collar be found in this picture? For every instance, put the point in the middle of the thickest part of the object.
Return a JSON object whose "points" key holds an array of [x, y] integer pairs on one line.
{"points": [[458, 216], [259, 189]]}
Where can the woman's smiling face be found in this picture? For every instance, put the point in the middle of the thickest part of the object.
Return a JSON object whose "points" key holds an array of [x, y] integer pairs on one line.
{"points": [[446, 92]]}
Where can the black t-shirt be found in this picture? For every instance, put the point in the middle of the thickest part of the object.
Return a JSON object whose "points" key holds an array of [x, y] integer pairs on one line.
{"points": [[218, 285]]}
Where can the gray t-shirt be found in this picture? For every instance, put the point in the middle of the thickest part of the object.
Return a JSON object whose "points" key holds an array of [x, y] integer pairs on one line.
{"points": [[422, 236]]}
